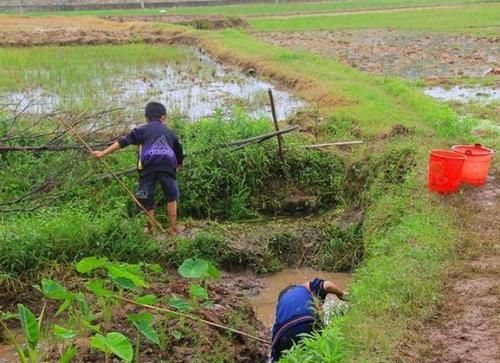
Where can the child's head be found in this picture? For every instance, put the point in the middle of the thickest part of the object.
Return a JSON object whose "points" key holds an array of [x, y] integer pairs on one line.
{"points": [[155, 111]]}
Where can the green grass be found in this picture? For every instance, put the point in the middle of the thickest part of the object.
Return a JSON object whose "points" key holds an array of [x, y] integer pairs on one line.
{"points": [[478, 19], [79, 75], [408, 242], [271, 9], [371, 103]]}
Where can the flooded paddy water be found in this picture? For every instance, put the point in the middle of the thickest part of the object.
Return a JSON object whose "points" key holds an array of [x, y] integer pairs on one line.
{"points": [[464, 94], [194, 89]]}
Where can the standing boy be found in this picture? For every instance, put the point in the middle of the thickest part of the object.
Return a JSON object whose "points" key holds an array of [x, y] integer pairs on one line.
{"points": [[295, 313], [160, 155]]}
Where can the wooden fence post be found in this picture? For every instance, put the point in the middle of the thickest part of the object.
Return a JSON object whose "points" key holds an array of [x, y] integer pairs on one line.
{"points": [[276, 126]]}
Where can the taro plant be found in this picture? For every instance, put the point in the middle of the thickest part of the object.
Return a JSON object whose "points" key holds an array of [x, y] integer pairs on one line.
{"points": [[113, 343], [200, 270], [31, 331], [143, 322]]}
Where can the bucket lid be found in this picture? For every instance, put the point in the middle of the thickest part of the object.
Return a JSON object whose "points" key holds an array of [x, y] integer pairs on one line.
{"points": [[448, 154], [473, 150]]}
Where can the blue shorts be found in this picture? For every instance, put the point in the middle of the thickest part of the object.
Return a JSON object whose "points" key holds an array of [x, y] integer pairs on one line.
{"points": [[146, 191]]}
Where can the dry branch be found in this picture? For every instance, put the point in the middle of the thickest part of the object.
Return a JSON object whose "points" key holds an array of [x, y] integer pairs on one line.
{"points": [[340, 143]]}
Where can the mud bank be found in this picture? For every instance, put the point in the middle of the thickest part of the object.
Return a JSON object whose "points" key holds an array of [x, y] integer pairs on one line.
{"points": [[405, 54]]}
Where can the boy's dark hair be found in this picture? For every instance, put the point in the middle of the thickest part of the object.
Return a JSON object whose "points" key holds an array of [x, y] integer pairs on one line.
{"points": [[154, 110]]}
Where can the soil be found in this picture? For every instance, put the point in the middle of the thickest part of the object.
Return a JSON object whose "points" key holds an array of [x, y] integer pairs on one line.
{"points": [[192, 341], [467, 327], [405, 54], [197, 22]]}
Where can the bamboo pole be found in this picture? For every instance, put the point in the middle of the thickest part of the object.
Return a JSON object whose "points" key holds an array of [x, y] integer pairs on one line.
{"points": [[276, 126], [340, 143]]}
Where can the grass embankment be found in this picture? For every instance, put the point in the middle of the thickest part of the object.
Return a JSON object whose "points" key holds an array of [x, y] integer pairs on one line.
{"points": [[271, 9], [477, 19], [408, 234]]}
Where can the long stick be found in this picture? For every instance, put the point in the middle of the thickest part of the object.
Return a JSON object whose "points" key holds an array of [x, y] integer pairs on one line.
{"points": [[8, 148], [261, 137], [193, 317], [275, 121], [340, 143], [110, 170]]}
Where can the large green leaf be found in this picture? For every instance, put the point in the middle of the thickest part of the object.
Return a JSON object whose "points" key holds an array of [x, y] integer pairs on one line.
{"points": [[180, 303], [29, 325], [143, 323], [98, 289], [124, 283], [63, 333], [55, 291], [196, 291], [147, 299], [98, 341], [120, 346], [193, 268], [116, 271], [89, 264], [212, 272]]}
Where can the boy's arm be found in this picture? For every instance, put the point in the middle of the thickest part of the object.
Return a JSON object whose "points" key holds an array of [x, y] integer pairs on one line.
{"points": [[331, 288], [132, 138], [179, 153], [112, 148]]}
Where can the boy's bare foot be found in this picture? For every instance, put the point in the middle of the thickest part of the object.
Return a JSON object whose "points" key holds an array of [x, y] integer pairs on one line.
{"points": [[148, 231], [172, 231]]}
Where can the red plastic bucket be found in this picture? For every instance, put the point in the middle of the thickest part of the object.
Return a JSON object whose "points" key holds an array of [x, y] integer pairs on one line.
{"points": [[445, 170], [477, 163]]}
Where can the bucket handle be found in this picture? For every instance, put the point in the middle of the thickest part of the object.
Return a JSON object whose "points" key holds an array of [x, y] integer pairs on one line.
{"points": [[478, 146]]}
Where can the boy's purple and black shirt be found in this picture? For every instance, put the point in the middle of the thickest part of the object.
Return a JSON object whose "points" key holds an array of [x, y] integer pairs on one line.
{"points": [[159, 148]]}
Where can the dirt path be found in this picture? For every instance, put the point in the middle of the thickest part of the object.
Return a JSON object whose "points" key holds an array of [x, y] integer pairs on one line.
{"points": [[467, 329]]}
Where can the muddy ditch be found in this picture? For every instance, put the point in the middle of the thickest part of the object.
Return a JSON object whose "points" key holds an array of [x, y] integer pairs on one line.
{"points": [[210, 22], [412, 55], [191, 90]]}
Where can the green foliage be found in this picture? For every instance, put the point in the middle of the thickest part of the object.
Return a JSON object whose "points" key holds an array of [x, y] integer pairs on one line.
{"points": [[115, 343], [29, 325], [144, 324], [471, 21], [180, 303], [198, 269], [197, 291], [63, 333]]}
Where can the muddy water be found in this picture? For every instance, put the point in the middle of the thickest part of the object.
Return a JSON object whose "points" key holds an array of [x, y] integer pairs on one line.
{"points": [[464, 94], [193, 89], [264, 303]]}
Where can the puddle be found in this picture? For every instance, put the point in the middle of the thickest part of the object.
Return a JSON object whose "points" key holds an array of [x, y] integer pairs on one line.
{"points": [[464, 94], [191, 89], [264, 303]]}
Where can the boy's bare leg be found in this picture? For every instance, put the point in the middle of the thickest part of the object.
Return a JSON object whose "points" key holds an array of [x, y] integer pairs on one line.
{"points": [[172, 217], [151, 223]]}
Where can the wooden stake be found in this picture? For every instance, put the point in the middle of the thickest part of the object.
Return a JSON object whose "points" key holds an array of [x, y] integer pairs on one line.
{"points": [[276, 126]]}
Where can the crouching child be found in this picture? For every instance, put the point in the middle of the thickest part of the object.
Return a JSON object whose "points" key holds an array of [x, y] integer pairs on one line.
{"points": [[295, 313]]}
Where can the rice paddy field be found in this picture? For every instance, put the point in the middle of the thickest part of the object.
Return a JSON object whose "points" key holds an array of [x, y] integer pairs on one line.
{"points": [[362, 90]]}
